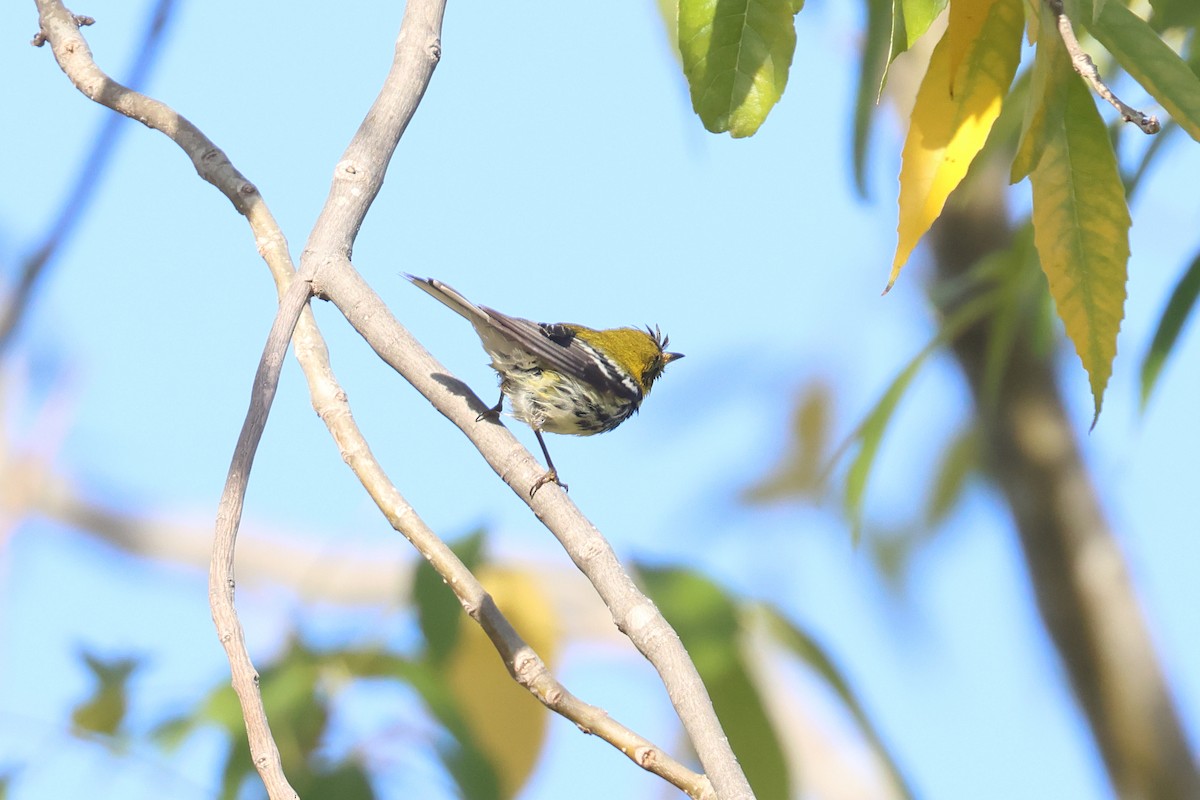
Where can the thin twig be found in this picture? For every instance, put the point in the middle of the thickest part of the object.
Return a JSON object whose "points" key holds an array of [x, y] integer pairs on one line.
{"points": [[60, 28], [87, 179], [1084, 65]]}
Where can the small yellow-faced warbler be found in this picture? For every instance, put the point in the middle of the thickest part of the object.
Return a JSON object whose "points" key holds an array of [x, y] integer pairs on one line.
{"points": [[560, 377]]}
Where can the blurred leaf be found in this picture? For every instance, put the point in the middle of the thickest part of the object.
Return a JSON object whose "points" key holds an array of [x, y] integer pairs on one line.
{"points": [[875, 52], [1081, 229], [869, 436], [299, 711], [869, 433], [238, 767], [800, 471], [809, 651], [506, 722], [953, 115], [736, 57], [299, 714], [222, 707], [1021, 287], [1152, 63], [104, 711], [1149, 156], [171, 732], [1175, 13], [892, 550], [959, 461], [707, 622], [439, 612], [669, 11], [345, 781], [1178, 311], [1049, 77], [472, 770]]}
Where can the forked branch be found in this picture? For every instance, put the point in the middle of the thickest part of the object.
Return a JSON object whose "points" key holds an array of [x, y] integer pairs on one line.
{"points": [[328, 253]]}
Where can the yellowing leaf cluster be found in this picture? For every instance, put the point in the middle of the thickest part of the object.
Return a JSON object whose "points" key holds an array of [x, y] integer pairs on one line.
{"points": [[958, 100]]}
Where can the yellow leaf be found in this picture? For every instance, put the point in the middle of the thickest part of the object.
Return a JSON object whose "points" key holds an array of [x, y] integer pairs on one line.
{"points": [[508, 722], [1081, 230], [949, 128], [965, 23]]}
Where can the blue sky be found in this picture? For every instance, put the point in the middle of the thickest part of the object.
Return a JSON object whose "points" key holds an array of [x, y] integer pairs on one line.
{"points": [[554, 171]]}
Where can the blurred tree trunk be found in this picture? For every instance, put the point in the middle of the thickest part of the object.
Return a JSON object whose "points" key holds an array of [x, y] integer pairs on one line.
{"points": [[1078, 572]]}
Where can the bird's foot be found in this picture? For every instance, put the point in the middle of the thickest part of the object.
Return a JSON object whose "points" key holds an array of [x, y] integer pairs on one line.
{"points": [[493, 413], [550, 477]]}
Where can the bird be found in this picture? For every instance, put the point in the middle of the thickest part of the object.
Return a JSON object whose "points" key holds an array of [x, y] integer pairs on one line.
{"points": [[561, 377]]}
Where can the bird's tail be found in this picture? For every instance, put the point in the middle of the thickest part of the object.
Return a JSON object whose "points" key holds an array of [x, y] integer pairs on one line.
{"points": [[450, 297]]}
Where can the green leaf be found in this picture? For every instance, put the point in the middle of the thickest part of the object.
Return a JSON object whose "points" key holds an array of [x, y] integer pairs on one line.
{"points": [[1149, 156], [869, 434], [875, 53], [910, 20], [1081, 231], [736, 57], [1049, 77], [1179, 309], [1152, 63], [959, 460], [104, 711], [1022, 289], [345, 781], [708, 623], [893, 26], [810, 651], [1175, 13], [438, 610]]}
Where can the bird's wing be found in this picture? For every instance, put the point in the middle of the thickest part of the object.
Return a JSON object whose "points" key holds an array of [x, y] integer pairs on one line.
{"points": [[557, 346]]}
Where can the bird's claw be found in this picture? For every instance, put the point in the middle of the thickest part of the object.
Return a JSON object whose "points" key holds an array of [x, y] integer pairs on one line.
{"points": [[550, 477]]}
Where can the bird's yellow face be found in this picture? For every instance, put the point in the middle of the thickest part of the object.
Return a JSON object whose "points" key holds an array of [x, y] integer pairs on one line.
{"points": [[641, 353]]}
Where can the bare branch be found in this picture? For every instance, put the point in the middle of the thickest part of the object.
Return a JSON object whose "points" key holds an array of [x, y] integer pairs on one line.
{"points": [[60, 28], [335, 232], [326, 259], [523, 663], [633, 612], [1084, 65]]}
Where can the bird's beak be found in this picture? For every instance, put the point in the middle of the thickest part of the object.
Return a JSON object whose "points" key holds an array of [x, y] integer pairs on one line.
{"points": [[669, 357]]}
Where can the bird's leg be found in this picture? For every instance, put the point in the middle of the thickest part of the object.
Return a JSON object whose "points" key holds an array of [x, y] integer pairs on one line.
{"points": [[493, 413], [552, 475]]}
